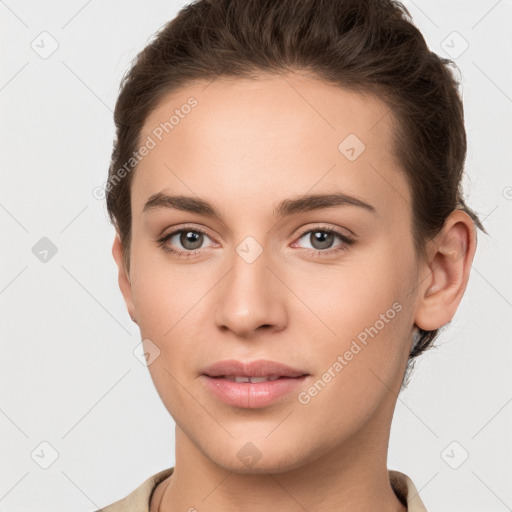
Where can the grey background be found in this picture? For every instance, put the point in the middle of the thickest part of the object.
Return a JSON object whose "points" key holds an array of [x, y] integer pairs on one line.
{"points": [[68, 375]]}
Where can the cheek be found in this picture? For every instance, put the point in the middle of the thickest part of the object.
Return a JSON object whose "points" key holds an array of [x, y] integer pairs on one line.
{"points": [[350, 296], [362, 313], [359, 351], [163, 292], [164, 302]]}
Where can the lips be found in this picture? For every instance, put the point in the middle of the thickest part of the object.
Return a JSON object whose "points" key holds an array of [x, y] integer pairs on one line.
{"points": [[260, 369], [252, 395]]}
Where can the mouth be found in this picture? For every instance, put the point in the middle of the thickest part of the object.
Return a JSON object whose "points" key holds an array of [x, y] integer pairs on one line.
{"points": [[262, 368], [252, 384], [253, 380], [252, 392]]}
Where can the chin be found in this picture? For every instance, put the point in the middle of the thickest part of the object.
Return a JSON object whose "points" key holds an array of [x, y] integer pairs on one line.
{"points": [[255, 457]]}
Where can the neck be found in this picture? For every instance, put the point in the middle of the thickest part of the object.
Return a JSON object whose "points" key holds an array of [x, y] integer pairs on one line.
{"points": [[352, 476]]}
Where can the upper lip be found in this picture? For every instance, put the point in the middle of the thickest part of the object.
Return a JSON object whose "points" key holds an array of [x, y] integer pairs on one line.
{"points": [[259, 368]]}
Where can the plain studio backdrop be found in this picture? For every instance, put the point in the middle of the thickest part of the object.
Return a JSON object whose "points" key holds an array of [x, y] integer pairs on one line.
{"points": [[80, 420]]}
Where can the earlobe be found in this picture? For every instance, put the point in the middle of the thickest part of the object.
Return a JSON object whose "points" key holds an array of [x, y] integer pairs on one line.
{"points": [[123, 277], [446, 274]]}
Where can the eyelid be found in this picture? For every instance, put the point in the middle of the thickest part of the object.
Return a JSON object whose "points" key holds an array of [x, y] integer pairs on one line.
{"points": [[166, 235], [204, 230], [345, 239], [184, 227], [325, 227]]}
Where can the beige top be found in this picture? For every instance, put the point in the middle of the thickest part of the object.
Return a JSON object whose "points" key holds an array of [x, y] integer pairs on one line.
{"points": [[139, 499]]}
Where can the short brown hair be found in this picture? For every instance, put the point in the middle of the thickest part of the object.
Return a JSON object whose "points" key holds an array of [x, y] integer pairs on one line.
{"points": [[369, 46]]}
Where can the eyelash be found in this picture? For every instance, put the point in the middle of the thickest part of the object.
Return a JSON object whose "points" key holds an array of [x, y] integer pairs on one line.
{"points": [[347, 242]]}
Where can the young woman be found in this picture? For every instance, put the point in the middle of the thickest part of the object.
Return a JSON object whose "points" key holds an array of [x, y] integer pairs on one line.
{"points": [[291, 235]]}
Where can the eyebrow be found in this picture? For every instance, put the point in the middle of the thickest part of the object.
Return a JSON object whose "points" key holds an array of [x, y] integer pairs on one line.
{"points": [[292, 206]]}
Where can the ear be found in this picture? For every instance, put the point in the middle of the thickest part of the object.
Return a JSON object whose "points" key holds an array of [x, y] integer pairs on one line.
{"points": [[123, 277], [445, 274]]}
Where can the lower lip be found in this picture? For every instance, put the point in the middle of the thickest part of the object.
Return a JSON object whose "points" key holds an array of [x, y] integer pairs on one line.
{"points": [[252, 395]]}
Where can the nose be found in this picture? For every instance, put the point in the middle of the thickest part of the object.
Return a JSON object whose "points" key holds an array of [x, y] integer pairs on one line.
{"points": [[251, 297]]}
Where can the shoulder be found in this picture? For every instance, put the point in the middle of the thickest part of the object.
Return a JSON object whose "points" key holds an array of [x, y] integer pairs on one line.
{"points": [[406, 491], [139, 499]]}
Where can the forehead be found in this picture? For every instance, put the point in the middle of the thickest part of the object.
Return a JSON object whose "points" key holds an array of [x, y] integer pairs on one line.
{"points": [[272, 137]]}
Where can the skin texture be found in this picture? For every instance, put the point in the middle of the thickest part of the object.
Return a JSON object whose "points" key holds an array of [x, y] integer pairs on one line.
{"points": [[246, 146]]}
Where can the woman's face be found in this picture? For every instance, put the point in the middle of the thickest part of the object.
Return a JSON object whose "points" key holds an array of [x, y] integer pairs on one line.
{"points": [[267, 280]]}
